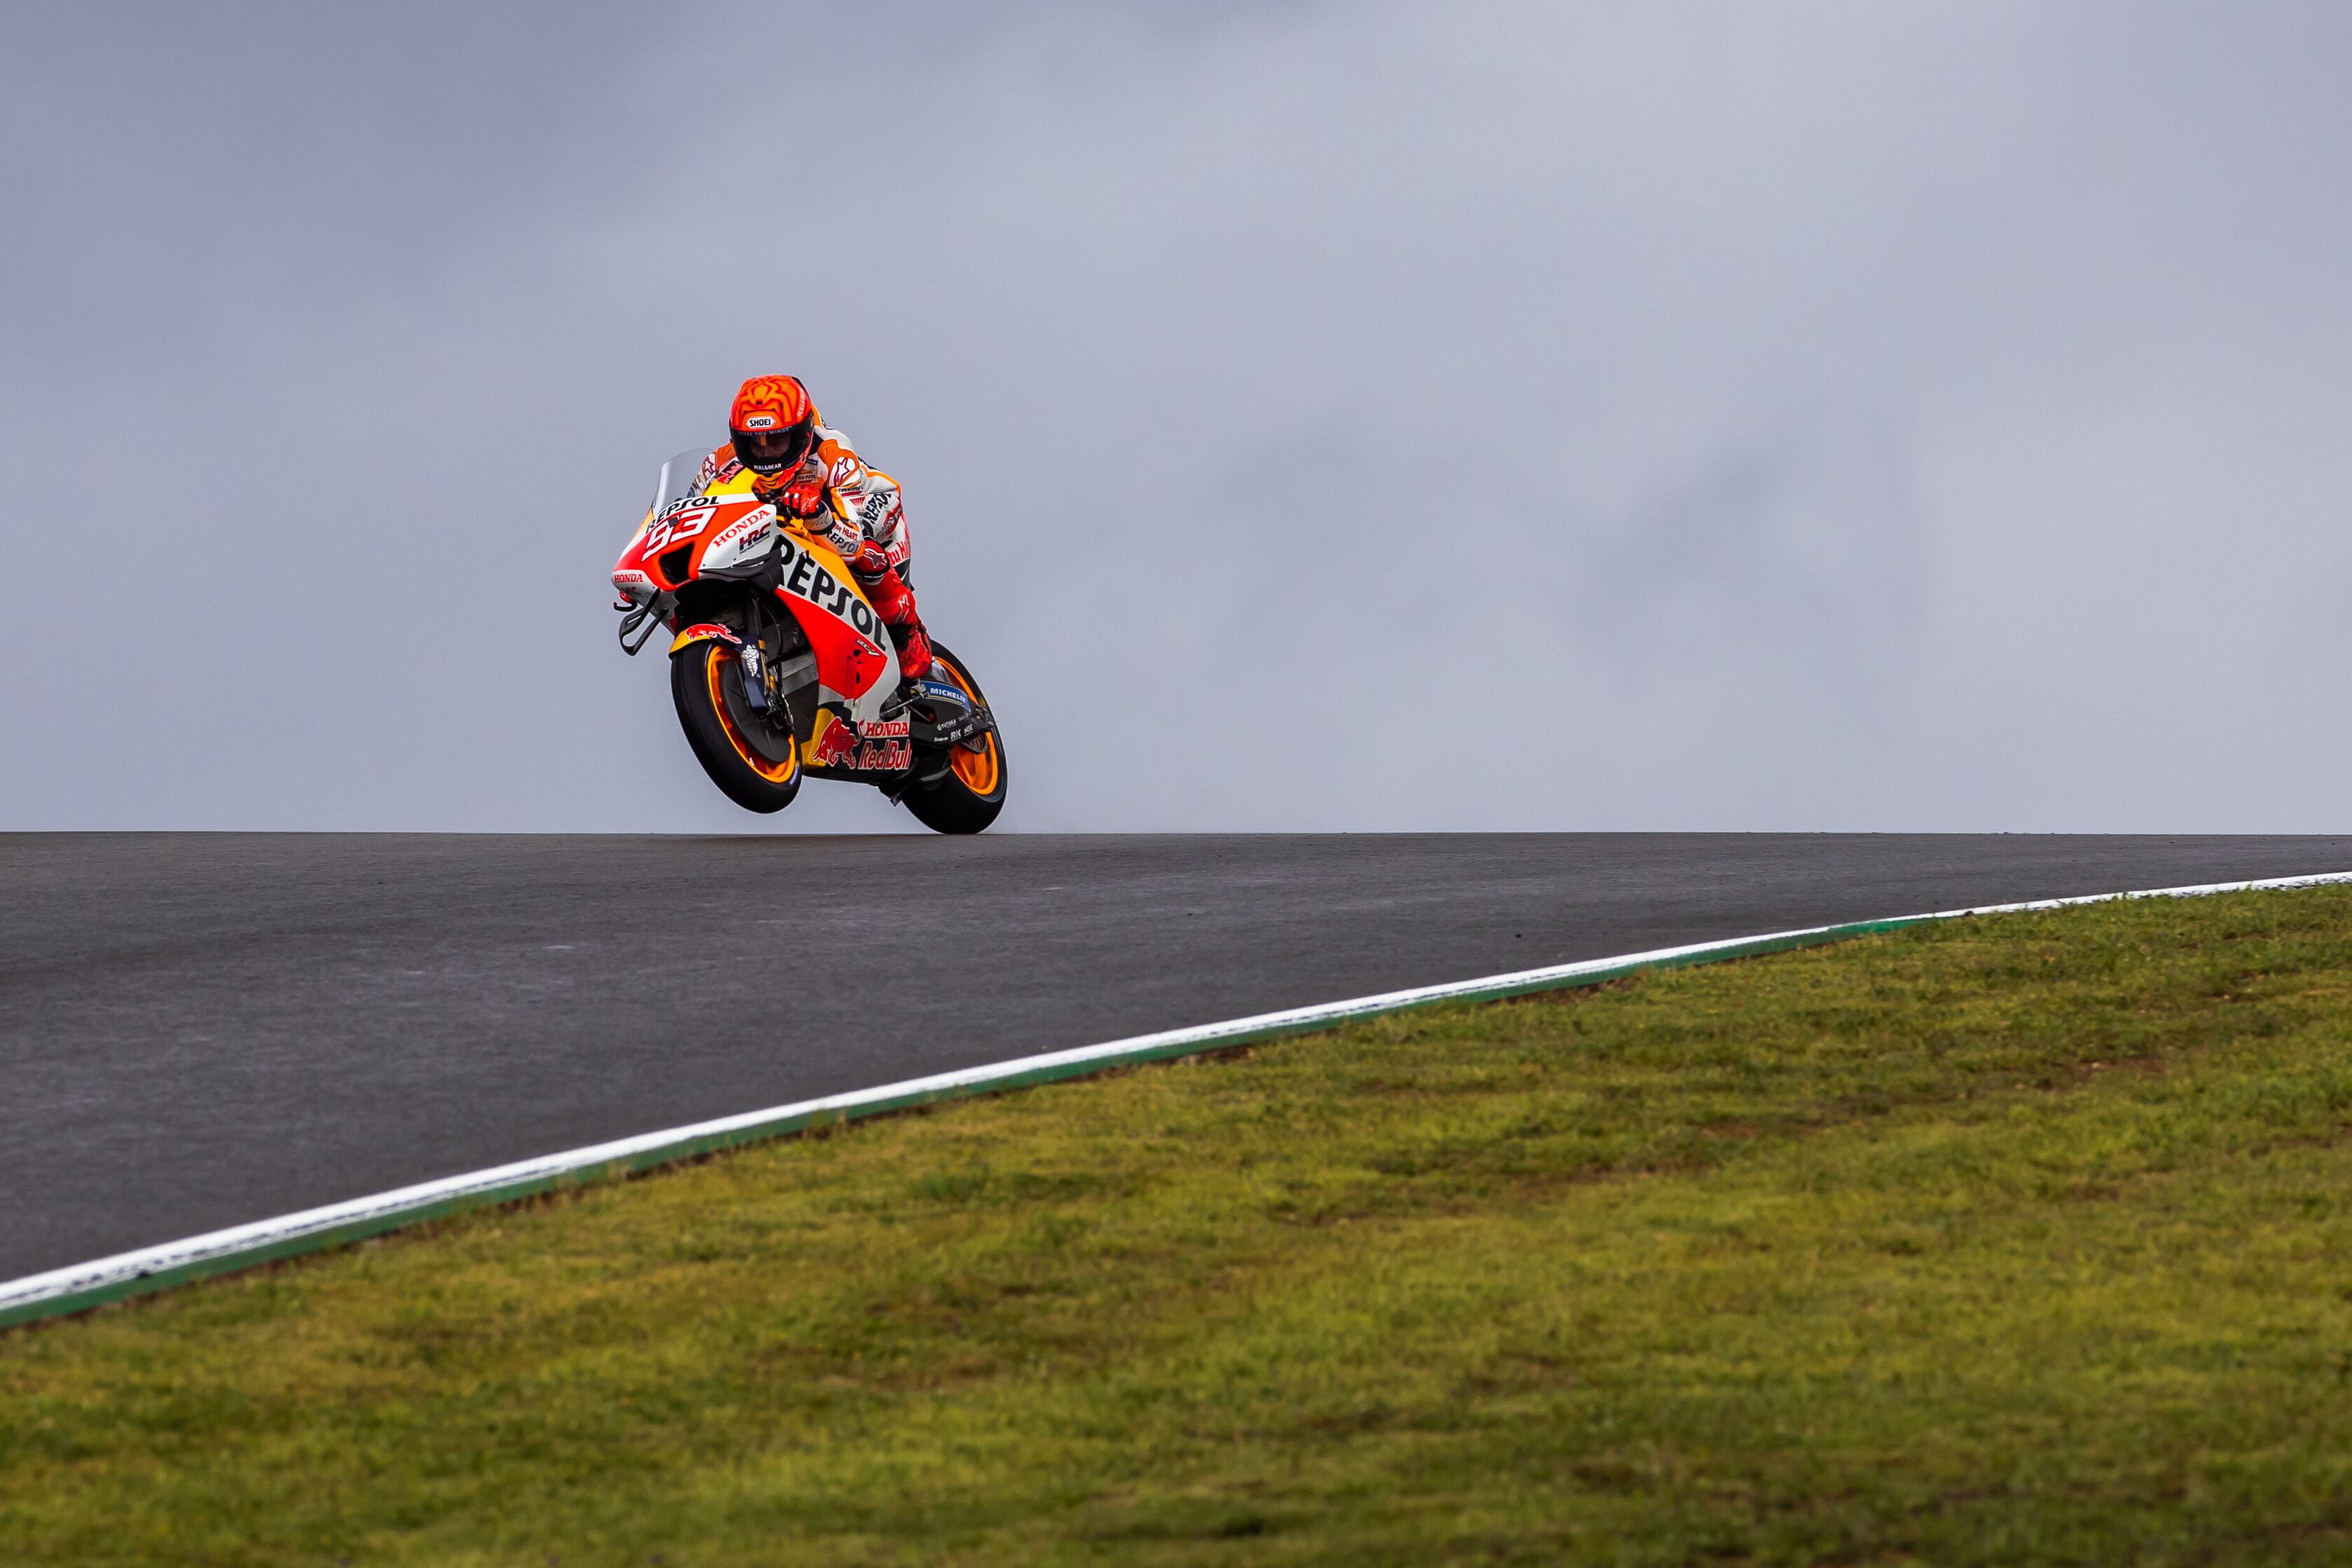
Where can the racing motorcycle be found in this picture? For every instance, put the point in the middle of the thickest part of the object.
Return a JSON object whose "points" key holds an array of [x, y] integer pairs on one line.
{"points": [[781, 670]]}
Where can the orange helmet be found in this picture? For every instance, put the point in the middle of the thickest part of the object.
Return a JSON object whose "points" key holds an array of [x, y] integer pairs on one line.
{"points": [[772, 423]]}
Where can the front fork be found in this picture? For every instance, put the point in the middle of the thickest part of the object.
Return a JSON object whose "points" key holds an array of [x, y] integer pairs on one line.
{"points": [[768, 686], [755, 681]]}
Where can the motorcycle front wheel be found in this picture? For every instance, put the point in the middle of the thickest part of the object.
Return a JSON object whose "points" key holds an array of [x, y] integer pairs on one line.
{"points": [[968, 797], [755, 763]]}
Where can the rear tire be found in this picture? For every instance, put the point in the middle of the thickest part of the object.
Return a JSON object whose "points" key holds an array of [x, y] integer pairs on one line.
{"points": [[733, 743], [969, 798]]}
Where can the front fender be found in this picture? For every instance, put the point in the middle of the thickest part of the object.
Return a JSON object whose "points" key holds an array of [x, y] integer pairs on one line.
{"points": [[705, 631]]}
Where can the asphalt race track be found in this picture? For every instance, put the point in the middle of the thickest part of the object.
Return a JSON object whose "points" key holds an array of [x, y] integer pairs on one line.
{"points": [[200, 1029]]}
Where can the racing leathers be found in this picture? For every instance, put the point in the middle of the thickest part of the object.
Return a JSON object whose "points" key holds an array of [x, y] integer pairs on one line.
{"points": [[858, 511]]}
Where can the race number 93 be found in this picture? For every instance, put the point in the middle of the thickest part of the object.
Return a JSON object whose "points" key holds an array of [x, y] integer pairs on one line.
{"points": [[683, 524]]}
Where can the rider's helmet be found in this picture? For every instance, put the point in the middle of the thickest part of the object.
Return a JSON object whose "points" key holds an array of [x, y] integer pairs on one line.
{"points": [[772, 423]]}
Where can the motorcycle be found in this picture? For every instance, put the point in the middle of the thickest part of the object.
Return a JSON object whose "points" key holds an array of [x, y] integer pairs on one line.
{"points": [[781, 670]]}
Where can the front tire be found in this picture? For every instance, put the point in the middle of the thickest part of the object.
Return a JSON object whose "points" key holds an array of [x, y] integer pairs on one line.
{"points": [[754, 763], [973, 792]]}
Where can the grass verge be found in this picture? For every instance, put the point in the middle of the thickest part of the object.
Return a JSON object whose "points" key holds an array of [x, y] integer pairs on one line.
{"points": [[2001, 1241]]}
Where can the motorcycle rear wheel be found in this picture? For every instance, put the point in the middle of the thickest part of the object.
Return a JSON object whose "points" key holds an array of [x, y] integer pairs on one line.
{"points": [[969, 797], [706, 682]]}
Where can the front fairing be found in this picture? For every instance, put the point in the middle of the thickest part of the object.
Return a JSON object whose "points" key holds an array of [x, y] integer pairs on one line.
{"points": [[696, 536], [724, 534]]}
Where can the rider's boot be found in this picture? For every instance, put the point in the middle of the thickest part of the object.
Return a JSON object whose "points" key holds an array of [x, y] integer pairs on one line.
{"points": [[914, 650]]}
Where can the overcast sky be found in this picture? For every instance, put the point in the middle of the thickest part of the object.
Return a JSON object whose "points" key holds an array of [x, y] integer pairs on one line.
{"points": [[1638, 415]]}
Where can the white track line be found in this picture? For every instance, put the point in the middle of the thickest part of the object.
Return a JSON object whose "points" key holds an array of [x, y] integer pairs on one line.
{"points": [[216, 1251]]}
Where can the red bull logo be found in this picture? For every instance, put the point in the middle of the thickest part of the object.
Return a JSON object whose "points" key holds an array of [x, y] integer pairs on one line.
{"points": [[878, 748], [835, 746]]}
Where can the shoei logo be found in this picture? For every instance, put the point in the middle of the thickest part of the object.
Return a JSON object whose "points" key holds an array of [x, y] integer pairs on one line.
{"points": [[761, 422]]}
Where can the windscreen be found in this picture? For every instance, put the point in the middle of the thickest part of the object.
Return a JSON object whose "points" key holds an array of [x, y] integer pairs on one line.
{"points": [[679, 474]]}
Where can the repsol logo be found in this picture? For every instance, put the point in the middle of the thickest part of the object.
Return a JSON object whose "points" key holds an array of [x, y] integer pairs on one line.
{"points": [[805, 578]]}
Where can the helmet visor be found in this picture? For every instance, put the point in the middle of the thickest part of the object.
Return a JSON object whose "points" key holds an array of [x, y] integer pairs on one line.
{"points": [[774, 451]]}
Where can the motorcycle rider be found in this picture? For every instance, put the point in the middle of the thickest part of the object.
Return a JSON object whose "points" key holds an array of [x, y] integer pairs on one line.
{"points": [[781, 450]]}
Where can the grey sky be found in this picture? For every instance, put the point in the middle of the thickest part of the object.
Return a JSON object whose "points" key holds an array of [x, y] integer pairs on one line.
{"points": [[1838, 416]]}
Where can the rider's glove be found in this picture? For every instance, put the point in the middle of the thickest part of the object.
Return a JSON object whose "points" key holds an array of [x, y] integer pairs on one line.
{"points": [[796, 498]]}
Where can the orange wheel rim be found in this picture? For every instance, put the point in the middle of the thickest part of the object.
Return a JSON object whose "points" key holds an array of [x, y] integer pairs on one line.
{"points": [[977, 771], [723, 657]]}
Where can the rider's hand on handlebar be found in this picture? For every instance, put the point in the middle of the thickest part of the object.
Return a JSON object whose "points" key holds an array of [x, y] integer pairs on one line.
{"points": [[802, 498]]}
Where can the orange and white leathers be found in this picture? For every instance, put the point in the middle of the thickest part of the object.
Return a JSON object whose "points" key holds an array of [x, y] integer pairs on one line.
{"points": [[868, 508]]}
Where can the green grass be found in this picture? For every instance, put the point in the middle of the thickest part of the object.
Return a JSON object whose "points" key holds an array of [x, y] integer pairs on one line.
{"points": [[2003, 1240]]}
